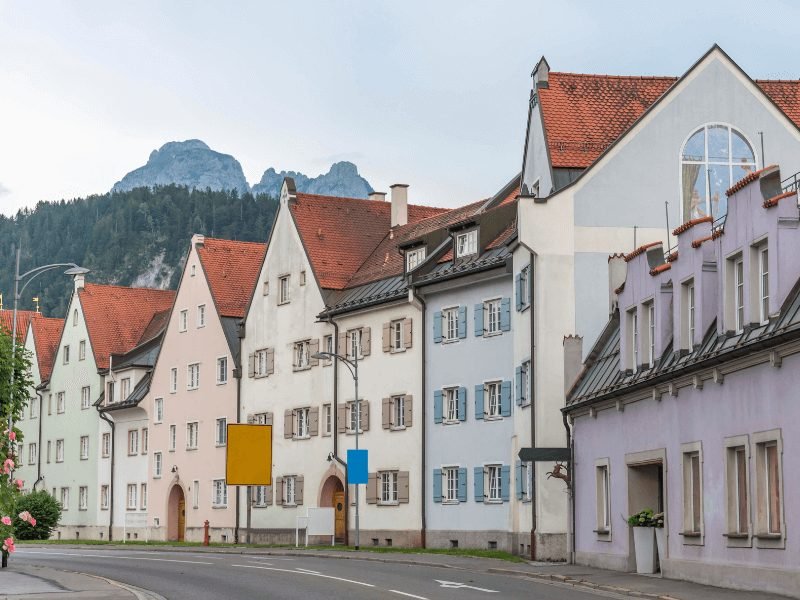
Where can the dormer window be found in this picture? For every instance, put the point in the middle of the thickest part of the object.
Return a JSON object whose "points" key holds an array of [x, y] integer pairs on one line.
{"points": [[466, 243], [414, 258]]}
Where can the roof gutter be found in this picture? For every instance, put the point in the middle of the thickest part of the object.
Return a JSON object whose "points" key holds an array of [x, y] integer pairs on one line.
{"points": [[111, 482]]}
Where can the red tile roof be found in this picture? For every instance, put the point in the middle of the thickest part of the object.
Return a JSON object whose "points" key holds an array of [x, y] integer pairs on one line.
{"points": [[749, 178], [689, 224], [699, 241], [660, 269], [339, 234], [232, 270], [640, 250], [23, 318], [672, 257], [116, 317], [46, 335], [156, 325], [769, 203], [786, 94], [504, 235], [511, 197]]}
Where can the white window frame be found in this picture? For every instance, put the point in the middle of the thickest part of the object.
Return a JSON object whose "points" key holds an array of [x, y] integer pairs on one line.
{"points": [[158, 410], [104, 497], [33, 453], [132, 497], [354, 339], [450, 484], [201, 316], [355, 413], [86, 397], [222, 370], [527, 392], [219, 493], [173, 380], [105, 445], [763, 284], [221, 431], [450, 324], [525, 286], [302, 358], [192, 434], [64, 498], [193, 376], [493, 400], [259, 496], [75, 317], [651, 333], [84, 447], [397, 335], [144, 440], [173, 437], [183, 320], [124, 388], [289, 490], [692, 458], [450, 407], [738, 293], [61, 403], [466, 243], [82, 350], [415, 257], [387, 480], [398, 408], [142, 496], [491, 317], [60, 451], [158, 465], [65, 354], [33, 409], [83, 497], [737, 452], [527, 481], [133, 442], [196, 494], [493, 484], [284, 290], [327, 419], [633, 323]]}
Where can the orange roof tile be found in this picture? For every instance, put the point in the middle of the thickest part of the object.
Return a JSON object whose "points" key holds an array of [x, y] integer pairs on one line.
{"points": [[511, 197], [699, 241], [23, 318], [750, 177], [769, 203], [784, 93], [116, 317], [660, 269], [232, 270], [46, 335], [640, 250], [689, 224], [672, 257]]}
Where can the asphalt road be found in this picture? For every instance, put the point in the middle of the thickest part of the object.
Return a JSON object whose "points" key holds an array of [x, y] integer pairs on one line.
{"points": [[206, 576]]}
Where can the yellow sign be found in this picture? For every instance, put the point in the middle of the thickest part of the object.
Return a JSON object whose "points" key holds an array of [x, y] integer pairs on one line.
{"points": [[249, 455]]}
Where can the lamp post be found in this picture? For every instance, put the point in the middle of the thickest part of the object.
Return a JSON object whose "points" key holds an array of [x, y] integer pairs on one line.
{"points": [[352, 366]]}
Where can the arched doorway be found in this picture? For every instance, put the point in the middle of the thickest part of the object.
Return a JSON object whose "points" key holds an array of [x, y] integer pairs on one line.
{"points": [[176, 511], [332, 494]]}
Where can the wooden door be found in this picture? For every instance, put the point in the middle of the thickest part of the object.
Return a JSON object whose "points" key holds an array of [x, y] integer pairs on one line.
{"points": [[339, 509], [181, 519]]}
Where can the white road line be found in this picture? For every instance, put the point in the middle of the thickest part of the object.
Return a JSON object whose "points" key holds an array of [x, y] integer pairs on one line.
{"points": [[307, 570], [191, 562], [262, 563], [407, 594], [296, 572]]}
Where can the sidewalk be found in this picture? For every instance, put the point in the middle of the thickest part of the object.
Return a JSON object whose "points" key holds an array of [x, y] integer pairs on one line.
{"points": [[28, 582]]}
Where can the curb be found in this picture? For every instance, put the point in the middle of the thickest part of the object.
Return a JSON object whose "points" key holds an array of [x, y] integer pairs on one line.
{"points": [[140, 593]]}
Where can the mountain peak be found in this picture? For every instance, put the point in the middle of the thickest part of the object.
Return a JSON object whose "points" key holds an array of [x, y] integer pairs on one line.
{"points": [[342, 179]]}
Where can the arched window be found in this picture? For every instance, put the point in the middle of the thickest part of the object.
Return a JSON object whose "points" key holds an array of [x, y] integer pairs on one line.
{"points": [[713, 158]]}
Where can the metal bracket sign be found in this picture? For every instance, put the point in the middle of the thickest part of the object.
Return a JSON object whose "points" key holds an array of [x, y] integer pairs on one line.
{"points": [[357, 471], [544, 454]]}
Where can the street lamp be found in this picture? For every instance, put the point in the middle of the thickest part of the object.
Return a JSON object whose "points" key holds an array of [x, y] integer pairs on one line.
{"points": [[31, 275], [352, 366]]}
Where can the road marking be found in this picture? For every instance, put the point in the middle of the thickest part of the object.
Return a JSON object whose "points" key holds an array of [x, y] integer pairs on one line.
{"points": [[409, 595], [311, 573], [191, 562], [262, 563], [455, 585], [307, 570]]}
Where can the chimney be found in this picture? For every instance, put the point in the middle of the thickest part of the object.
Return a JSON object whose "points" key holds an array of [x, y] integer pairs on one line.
{"points": [[399, 204], [379, 196], [79, 281], [617, 271], [198, 239], [573, 357]]}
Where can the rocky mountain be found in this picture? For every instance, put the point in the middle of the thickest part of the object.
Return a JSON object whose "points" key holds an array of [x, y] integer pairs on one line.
{"points": [[342, 179]]}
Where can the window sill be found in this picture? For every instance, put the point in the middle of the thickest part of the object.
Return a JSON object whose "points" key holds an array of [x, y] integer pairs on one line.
{"points": [[296, 438], [691, 534], [492, 334], [219, 506], [397, 351], [260, 505], [328, 434], [602, 531], [87, 458], [287, 505], [768, 536], [156, 476], [451, 341], [736, 536], [450, 502], [170, 450], [220, 445], [299, 369], [493, 501], [188, 449], [352, 432], [451, 422], [397, 428], [158, 422], [222, 382], [492, 417], [192, 389], [395, 503], [103, 508]]}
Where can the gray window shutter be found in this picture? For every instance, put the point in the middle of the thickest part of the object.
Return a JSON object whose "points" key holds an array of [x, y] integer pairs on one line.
{"points": [[505, 398], [462, 404], [518, 290], [313, 348], [288, 424], [505, 482], [270, 361], [268, 494], [478, 318], [279, 491], [251, 364], [341, 418], [313, 420], [518, 384], [518, 479], [437, 327], [437, 406], [268, 420], [386, 413], [342, 350], [505, 314], [402, 486], [407, 332], [408, 410], [366, 341], [462, 322], [372, 488], [478, 484], [299, 484], [462, 484], [437, 485], [479, 401], [387, 346], [364, 415]]}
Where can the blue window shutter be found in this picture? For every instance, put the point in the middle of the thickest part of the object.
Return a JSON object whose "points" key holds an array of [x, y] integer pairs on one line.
{"points": [[478, 314], [518, 479], [462, 485], [437, 406], [462, 322], [518, 290], [437, 485], [479, 401], [478, 484], [505, 398], [505, 480], [462, 404], [437, 327], [505, 314], [518, 384]]}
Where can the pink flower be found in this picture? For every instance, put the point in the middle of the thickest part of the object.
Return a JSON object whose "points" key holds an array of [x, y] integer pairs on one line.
{"points": [[8, 545], [7, 466], [6, 520], [12, 436], [24, 515], [20, 484], [32, 522]]}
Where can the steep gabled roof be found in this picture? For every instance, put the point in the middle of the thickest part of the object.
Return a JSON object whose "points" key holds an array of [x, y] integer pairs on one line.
{"points": [[23, 318], [116, 317], [46, 335], [231, 269]]}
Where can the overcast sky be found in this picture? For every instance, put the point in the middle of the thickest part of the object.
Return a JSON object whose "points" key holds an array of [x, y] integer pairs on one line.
{"points": [[432, 94]]}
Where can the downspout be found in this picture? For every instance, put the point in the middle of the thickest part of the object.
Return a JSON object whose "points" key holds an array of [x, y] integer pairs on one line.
{"points": [[424, 470], [111, 483], [39, 442], [335, 432], [571, 488], [531, 288], [238, 375]]}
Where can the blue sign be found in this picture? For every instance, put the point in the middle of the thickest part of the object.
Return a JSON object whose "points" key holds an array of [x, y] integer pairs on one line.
{"points": [[357, 471]]}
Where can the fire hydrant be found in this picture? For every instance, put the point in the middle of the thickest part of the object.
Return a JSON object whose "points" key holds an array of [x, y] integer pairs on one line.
{"points": [[205, 533]]}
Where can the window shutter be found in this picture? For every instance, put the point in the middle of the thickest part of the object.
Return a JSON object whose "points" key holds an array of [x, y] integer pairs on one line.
{"points": [[462, 322], [386, 413], [518, 290], [366, 341], [408, 410], [505, 314], [372, 488], [268, 494], [518, 384], [268, 420], [505, 482], [299, 484], [279, 491], [518, 479], [437, 327], [288, 424], [342, 349], [341, 419], [462, 404], [251, 419], [313, 420], [478, 484], [478, 318], [313, 348], [364, 415], [407, 331], [437, 406], [386, 337], [437, 485], [251, 364], [270, 361], [462, 484], [402, 486], [479, 401], [505, 398]]}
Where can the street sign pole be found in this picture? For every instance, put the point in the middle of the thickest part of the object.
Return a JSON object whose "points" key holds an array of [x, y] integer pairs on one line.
{"points": [[358, 426]]}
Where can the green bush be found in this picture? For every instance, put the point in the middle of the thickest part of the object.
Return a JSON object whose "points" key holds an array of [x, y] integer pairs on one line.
{"points": [[44, 508]]}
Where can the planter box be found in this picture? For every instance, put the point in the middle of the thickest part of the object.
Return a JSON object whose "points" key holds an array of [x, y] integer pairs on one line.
{"points": [[644, 546], [661, 544]]}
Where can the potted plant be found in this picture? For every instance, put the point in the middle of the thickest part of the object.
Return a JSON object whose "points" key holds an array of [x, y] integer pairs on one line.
{"points": [[644, 545], [661, 538]]}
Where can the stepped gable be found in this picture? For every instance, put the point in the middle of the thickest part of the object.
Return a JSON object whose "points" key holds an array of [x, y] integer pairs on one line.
{"points": [[46, 335], [232, 270], [23, 319], [339, 234], [116, 317]]}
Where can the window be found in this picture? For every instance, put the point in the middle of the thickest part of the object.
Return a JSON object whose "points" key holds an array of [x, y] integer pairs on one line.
{"points": [[222, 370], [633, 324], [103, 497], [158, 464], [763, 285], [110, 398], [192, 271], [133, 442], [66, 354], [397, 339], [769, 496], [132, 496], [84, 447], [283, 289], [356, 416], [263, 418], [201, 315], [60, 403], [688, 315], [301, 357], [86, 397], [183, 320], [195, 494], [83, 497], [221, 437], [33, 409], [524, 395], [32, 454], [603, 498], [302, 277], [327, 346], [173, 380], [300, 426], [524, 486], [49, 404], [651, 334], [193, 376], [173, 437], [354, 343], [143, 496], [261, 363], [327, 419], [260, 495], [82, 350], [145, 440], [399, 412], [289, 490], [220, 498], [191, 436], [692, 493], [450, 324], [158, 409], [59, 451], [48, 450], [492, 395], [491, 317], [737, 483], [524, 287], [450, 476], [451, 403], [124, 389], [75, 317], [105, 444], [388, 487], [64, 498], [493, 477], [466, 243], [414, 258], [738, 293], [713, 158]]}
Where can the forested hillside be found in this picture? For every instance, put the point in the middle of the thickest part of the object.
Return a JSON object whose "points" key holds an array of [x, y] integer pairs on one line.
{"points": [[137, 237]]}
